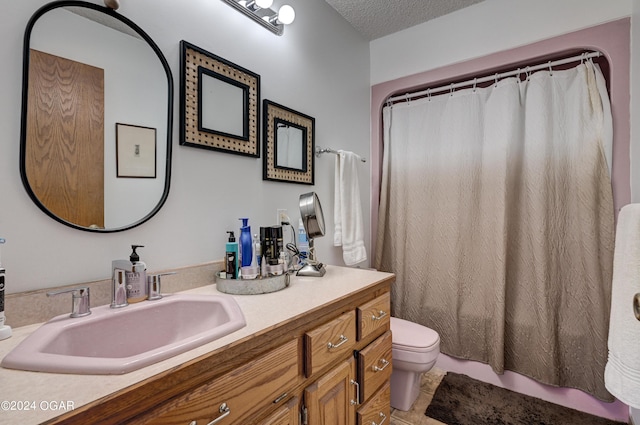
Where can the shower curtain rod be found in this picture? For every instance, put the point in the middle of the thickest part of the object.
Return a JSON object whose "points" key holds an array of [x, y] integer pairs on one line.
{"points": [[329, 150], [497, 76]]}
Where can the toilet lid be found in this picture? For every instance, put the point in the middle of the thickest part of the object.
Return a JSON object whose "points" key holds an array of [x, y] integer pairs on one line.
{"points": [[411, 336]]}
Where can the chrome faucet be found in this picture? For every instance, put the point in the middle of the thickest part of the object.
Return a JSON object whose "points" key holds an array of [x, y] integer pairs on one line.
{"points": [[153, 285], [119, 283], [80, 301]]}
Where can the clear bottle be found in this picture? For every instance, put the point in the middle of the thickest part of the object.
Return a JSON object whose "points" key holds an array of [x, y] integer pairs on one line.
{"points": [[136, 278], [303, 243]]}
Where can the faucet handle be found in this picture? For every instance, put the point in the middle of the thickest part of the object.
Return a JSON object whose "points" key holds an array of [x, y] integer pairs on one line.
{"points": [[153, 285], [80, 300]]}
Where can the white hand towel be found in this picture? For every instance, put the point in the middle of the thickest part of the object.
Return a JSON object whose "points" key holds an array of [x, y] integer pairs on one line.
{"points": [[622, 372], [349, 227]]}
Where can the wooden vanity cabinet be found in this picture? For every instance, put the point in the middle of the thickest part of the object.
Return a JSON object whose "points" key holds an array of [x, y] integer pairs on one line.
{"points": [[356, 390], [309, 370]]}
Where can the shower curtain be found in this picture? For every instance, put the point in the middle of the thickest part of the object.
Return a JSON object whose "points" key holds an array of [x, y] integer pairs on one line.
{"points": [[496, 215]]}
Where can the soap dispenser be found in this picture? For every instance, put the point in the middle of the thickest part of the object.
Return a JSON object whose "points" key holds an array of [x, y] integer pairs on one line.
{"points": [[231, 257], [136, 278]]}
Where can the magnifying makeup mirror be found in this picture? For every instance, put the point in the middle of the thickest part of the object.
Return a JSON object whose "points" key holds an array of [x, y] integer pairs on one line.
{"points": [[313, 221]]}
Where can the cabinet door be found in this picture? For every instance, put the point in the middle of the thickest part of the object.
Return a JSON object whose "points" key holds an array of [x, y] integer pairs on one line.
{"points": [[289, 414], [377, 410], [331, 400], [374, 365]]}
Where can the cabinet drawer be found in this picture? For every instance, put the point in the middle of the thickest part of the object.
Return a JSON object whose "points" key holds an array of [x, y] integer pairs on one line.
{"points": [[329, 342], [285, 415], [374, 365], [374, 315], [238, 395], [378, 409]]}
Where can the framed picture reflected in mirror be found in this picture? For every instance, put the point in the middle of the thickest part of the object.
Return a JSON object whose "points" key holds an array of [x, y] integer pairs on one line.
{"points": [[288, 144]]}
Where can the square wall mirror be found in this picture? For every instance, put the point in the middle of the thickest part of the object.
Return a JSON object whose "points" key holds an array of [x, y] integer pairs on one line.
{"points": [[220, 103], [288, 144]]}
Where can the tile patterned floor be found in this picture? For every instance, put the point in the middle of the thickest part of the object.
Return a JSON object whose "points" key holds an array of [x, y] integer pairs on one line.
{"points": [[415, 416]]}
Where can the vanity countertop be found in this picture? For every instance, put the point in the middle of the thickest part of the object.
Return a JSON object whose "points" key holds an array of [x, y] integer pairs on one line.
{"points": [[35, 397]]}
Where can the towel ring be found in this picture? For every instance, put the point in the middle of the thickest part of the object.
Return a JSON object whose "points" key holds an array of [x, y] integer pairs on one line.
{"points": [[636, 305]]}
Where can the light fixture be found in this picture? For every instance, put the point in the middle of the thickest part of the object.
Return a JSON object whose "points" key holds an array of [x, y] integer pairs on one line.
{"points": [[285, 15], [260, 11], [112, 4]]}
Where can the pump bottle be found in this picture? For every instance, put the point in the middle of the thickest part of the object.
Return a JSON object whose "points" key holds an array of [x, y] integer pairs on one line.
{"points": [[231, 257], [136, 278]]}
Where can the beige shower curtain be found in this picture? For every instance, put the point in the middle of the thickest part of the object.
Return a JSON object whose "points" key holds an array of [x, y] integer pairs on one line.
{"points": [[496, 215]]}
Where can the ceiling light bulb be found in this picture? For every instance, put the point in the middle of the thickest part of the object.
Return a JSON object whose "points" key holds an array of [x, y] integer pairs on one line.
{"points": [[264, 4], [286, 14]]}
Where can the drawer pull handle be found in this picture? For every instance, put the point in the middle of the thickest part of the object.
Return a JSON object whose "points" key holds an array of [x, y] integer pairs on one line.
{"points": [[384, 362], [355, 402], [343, 339], [279, 399], [225, 410], [384, 418], [380, 315]]}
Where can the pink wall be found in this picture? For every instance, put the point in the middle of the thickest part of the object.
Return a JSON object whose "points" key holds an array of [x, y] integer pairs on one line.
{"points": [[613, 40]]}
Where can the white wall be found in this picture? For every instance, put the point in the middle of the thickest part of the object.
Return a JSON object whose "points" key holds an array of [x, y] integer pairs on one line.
{"points": [[320, 67], [487, 27]]}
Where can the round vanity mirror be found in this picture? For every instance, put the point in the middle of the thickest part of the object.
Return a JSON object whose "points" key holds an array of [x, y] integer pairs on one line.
{"points": [[96, 127], [313, 221]]}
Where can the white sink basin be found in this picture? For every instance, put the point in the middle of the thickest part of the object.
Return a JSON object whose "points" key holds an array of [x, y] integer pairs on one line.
{"points": [[115, 341]]}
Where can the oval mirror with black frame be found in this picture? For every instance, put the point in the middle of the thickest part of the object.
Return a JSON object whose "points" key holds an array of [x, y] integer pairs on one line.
{"points": [[97, 109]]}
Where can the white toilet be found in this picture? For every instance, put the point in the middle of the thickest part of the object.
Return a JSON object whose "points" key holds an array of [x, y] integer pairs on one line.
{"points": [[415, 349]]}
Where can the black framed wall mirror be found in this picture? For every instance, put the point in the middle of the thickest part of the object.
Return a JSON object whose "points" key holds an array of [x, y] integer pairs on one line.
{"points": [[86, 68], [289, 144]]}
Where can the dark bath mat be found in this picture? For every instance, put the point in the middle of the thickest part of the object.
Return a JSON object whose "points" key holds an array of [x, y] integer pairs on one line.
{"points": [[461, 400]]}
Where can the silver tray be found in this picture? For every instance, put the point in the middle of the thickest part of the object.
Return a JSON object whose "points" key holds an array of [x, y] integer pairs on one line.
{"points": [[252, 286]]}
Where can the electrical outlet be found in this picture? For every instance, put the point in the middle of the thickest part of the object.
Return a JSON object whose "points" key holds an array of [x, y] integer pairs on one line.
{"points": [[282, 216]]}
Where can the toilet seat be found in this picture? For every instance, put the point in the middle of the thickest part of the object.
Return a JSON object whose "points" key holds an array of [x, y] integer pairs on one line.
{"points": [[412, 337]]}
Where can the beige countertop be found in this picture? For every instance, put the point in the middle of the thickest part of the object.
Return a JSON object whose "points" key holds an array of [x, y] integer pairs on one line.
{"points": [[34, 397]]}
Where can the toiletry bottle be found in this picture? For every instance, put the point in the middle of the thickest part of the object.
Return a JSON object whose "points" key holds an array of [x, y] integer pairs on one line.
{"points": [[245, 243], [231, 257], [5, 331], [257, 250], [276, 240], [136, 278], [303, 243], [267, 244]]}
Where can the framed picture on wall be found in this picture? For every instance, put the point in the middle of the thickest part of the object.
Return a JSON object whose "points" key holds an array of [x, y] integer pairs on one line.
{"points": [[135, 151]]}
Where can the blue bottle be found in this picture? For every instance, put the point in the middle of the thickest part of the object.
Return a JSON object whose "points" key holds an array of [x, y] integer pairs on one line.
{"points": [[245, 242]]}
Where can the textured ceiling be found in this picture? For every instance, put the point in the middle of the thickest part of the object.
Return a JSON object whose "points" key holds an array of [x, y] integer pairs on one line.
{"points": [[377, 18]]}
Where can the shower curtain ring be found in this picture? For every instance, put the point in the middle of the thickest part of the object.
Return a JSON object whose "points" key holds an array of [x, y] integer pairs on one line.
{"points": [[528, 72], [496, 80], [550, 69], [475, 82], [451, 90], [429, 94]]}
